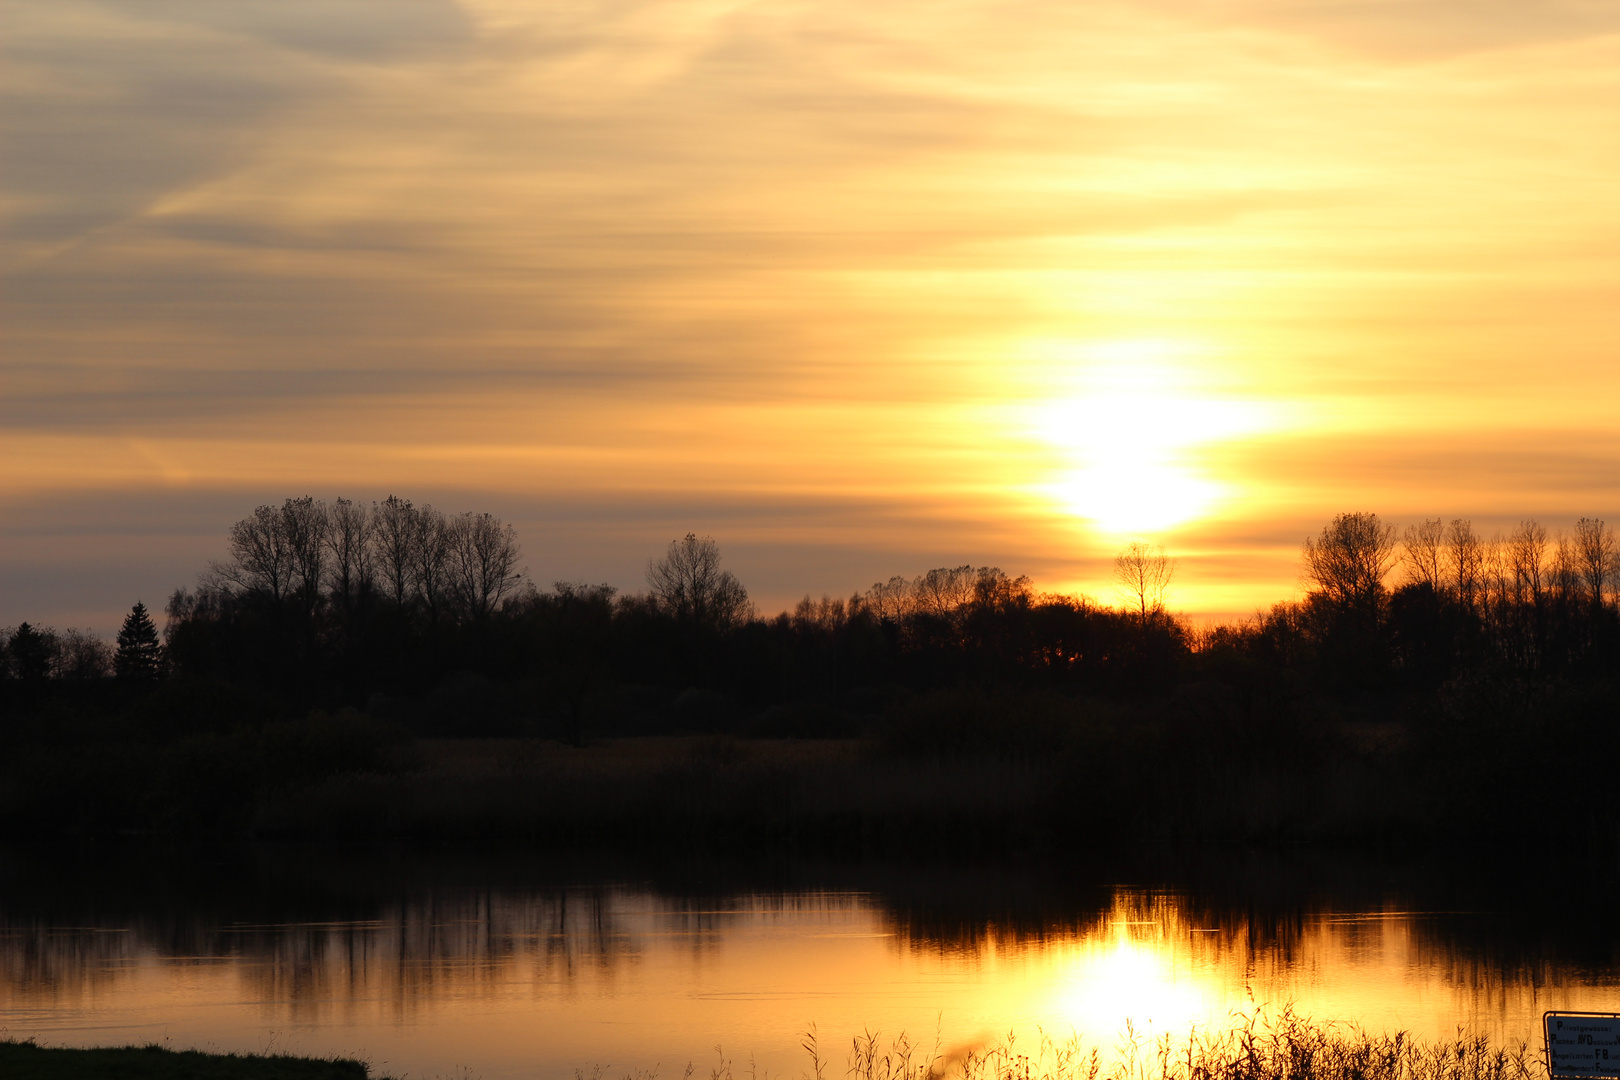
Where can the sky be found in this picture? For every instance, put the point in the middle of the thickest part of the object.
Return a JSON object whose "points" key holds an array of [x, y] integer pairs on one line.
{"points": [[856, 288]]}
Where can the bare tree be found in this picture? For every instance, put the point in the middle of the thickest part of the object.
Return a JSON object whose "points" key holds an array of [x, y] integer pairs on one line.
{"points": [[994, 589], [689, 584], [890, 601], [484, 556], [81, 656], [944, 591], [1421, 552], [305, 544], [1143, 574], [394, 529], [261, 559], [1498, 575], [1564, 576], [1465, 561], [430, 560], [824, 615], [1527, 557], [304, 526], [350, 568], [1595, 557], [1349, 560]]}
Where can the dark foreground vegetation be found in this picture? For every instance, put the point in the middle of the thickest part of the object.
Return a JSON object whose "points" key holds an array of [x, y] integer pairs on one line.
{"points": [[21, 1060], [1255, 1048], [386, 670], [1287, 1048]]}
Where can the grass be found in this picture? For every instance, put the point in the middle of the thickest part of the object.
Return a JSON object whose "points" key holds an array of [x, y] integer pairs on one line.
{"points": [[1256, 1047], [25, 1060]]}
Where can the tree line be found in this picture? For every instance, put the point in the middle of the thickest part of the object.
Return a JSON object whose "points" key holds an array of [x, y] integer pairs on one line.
{"points": [[1421, 678], [399, 608], [1438, 600], [347, 554]]}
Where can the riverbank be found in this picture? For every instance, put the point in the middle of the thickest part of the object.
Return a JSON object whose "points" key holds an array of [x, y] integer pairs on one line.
{"points": [[24, 1060]]}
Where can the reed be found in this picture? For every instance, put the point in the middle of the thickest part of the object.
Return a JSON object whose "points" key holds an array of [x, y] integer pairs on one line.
{"points": [[1257, 1046]]}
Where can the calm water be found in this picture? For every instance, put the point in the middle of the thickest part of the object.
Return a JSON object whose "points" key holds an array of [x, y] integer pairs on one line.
{"points": [[506, 964]]}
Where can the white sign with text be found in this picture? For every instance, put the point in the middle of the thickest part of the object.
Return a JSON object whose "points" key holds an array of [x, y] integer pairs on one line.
{"points": [[1583, 1044]]}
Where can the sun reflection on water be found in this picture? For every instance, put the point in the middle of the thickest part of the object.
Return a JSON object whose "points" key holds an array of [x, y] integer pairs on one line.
{"points": [[526, 983], [1123, 976]]}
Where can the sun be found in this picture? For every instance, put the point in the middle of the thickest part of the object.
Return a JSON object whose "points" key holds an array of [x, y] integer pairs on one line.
{"points": [[1129, 420], [1130, 497]]}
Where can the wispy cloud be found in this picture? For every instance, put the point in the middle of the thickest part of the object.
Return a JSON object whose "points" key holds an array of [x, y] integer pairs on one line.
{"points": [[726, 257]]}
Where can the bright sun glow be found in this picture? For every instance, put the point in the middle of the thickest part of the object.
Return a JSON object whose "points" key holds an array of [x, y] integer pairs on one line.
{"points": [[1117, 979], [1130, 419]]}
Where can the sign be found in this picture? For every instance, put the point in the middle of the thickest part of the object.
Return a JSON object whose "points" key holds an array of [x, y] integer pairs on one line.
{"points": [[1582, 1044]]}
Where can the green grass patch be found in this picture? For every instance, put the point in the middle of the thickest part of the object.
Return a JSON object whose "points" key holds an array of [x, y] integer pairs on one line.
{"points": [[28, 1061]]}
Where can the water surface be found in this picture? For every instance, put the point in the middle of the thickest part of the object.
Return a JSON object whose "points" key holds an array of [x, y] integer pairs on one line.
{"points": [[506, 964]]}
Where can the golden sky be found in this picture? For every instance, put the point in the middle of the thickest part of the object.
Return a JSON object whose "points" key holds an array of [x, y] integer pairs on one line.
{"points": [[856, 288]]}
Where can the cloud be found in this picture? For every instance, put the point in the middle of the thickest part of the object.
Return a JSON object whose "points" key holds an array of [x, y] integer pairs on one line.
{"points": [[695, 257], [1405, 31], [1409, 29], [353, 29], [105, 114], [58, 399]]}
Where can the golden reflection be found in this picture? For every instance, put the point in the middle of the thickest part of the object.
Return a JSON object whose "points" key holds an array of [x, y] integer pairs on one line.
{"points": [[539, 983], [1127, 973]]}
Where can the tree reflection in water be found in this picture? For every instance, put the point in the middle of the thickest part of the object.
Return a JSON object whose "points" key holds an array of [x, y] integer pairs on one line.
{"points": [[524, 956]]}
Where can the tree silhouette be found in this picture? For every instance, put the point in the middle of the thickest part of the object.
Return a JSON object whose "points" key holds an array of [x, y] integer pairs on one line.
{"points": [[483, 562], [943, 591], [351, 568], [1595, 558], [306, 525], [1349, 560], [139, 656], [430, 560], [32, 652], [575, 646], [81, 656], [688, 584], [261, 558], [1465, 561], [1144, 574], [1422, 552], [395, 525], [890, 601], [1528, 556]]}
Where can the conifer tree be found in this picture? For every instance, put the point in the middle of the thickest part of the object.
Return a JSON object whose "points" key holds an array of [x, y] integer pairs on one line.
{"points": [[139, 654], [32, 652]]}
